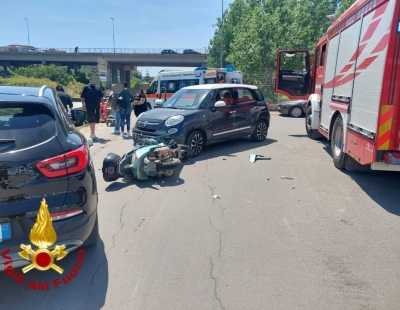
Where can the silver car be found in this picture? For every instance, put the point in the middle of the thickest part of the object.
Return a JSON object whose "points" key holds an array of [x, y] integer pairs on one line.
{"points": [[294, 108]]}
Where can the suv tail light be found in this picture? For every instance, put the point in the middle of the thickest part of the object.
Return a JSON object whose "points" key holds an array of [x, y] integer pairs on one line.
{"points": [[63, 165], [391, 158], [64, 215]]}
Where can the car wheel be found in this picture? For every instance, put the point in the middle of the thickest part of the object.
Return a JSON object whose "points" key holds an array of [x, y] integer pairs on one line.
{"points": [[94, 235], [260, 132], [296, 112], [196, 142]]}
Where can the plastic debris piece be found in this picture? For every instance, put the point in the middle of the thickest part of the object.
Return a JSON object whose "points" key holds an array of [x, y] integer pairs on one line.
{"points": [[286, 178], [90, 142], [216, 196], [254, 157], [293, 187]]}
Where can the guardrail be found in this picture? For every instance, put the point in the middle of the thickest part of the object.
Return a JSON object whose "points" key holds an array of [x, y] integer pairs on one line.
{"points": [[8, 49]]}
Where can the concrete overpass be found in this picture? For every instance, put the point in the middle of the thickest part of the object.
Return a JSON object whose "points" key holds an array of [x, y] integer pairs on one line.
{"points": [[124, 60]]}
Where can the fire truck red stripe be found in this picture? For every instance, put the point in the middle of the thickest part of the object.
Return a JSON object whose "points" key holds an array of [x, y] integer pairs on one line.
{"points": [[382, 44], [347, 68], [385, 117], [366, 63], [379, 11], [358, 52], [370, 31], [384, 138]]}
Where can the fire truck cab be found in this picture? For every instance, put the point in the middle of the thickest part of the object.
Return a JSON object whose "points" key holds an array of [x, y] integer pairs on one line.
{"points": [[352, 86]]}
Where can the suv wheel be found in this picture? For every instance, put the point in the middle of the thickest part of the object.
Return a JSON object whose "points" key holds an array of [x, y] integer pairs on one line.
{"points": [[196, 142], [260, 132], [94, 235]]}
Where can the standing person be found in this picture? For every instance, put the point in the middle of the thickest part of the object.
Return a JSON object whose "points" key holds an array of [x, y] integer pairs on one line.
{"points": [[92, 97], [125, 110], [140, 103], [112, 103], [64, 97]]}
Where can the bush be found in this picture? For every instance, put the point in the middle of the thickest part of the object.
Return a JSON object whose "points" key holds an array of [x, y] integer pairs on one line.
{"points": [[51, 72], [26, 81], [74, 89]]}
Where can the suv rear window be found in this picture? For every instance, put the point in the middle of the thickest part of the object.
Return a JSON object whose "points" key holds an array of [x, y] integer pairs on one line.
{"points": [[25, 125]]}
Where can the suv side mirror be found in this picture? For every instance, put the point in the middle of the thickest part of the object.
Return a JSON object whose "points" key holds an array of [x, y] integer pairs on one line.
{"points": [[78, 117]]}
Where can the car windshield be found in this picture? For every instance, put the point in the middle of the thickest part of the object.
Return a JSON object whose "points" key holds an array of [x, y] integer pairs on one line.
{"points": [[186, 99]]}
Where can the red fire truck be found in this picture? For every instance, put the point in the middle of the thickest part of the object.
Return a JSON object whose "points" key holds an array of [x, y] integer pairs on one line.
{"points": [[352, 86]]}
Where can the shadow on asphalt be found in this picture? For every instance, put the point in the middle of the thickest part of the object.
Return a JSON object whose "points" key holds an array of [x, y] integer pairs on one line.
{"points": [[86, 290], [383, 187], [101, 141], [229, 149]]}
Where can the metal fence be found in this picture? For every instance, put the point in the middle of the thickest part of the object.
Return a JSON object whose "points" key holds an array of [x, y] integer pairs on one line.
{"points": [[22, 49]]}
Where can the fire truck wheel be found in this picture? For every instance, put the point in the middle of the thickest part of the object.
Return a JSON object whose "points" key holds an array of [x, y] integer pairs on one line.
{"points": [[311, 133], [339, 157]]}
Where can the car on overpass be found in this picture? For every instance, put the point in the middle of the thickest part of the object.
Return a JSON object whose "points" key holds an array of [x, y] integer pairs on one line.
{"points": [[168, 52], [189, 51]]}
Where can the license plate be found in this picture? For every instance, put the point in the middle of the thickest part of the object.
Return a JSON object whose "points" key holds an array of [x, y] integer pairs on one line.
{"points": [[5, 231]]}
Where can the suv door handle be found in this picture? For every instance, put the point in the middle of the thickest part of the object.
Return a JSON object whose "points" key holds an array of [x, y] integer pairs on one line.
{"points": [[231, 112]]}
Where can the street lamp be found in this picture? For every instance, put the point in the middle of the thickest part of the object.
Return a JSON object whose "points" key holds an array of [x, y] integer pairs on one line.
{"points": [[113, 33], [27, 27], [222, 30]]}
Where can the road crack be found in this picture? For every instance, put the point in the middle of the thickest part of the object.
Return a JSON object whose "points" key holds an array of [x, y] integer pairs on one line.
{"points": [[105, 256], [215, 284]]}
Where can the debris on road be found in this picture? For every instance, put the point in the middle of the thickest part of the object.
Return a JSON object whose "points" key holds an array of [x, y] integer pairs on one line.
{"points": [[286, 178], [293, 187], [254, 157], [90, 142], [216, 196]]}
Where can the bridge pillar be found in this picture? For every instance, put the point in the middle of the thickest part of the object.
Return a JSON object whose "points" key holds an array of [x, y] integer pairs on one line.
{"points": [[108, 82], [114, 76], [121, 75], [128, 78]]}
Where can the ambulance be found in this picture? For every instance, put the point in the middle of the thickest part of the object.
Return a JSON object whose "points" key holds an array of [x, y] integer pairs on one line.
{"points": [[166, 83]]}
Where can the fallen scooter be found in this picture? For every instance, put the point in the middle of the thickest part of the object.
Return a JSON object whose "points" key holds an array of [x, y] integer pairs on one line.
{"points": [[150, 157]]}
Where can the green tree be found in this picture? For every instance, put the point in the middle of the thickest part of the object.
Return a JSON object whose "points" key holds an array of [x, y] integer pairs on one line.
{"points": [[254, 30]]}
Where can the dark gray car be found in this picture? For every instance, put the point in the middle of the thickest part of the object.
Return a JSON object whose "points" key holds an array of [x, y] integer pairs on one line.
{"points": [[209, 113], [294, 108]]}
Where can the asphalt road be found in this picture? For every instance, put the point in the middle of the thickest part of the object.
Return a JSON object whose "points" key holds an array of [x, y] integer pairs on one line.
{"points": [[325, 240]]}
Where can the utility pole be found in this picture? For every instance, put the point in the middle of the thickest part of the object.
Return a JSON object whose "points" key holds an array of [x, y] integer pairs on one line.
{"points": [[222, 32], [27, 27], [113, 33]]}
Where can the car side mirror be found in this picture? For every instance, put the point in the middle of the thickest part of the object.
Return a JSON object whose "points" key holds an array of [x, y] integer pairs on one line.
{"points": [[158, 103], [220, 104]]}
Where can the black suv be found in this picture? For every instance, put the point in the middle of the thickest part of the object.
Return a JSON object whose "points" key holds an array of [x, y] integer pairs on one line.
{"points": [[209, 113], [43, 155]]}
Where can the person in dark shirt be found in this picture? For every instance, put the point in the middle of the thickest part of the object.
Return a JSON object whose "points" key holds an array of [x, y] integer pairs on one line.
{"points": [[92, 97], [126, 110], [140, 103], [64, 97]]}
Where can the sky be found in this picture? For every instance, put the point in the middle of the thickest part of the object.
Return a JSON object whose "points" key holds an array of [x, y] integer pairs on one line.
{"points": [[174, 24]]}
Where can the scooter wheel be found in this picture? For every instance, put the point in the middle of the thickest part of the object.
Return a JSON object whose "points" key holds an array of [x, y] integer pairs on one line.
{"points": [[186, 151]]}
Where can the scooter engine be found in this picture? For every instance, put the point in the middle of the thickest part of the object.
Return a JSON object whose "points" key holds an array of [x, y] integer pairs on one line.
{"points": [[163, 161]]}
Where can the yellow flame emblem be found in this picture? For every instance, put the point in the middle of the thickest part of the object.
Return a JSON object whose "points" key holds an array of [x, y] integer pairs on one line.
{"points": [[43, 236]]}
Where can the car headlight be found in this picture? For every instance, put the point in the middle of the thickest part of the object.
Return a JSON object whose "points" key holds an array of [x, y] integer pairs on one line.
{"points": [[174, 120]]}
